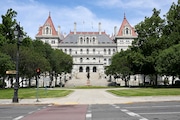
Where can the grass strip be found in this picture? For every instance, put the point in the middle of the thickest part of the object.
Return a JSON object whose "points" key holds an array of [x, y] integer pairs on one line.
{"points": [[31, 93], [146, 92]]}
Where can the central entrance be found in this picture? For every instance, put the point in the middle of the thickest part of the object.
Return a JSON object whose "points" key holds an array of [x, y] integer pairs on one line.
{"points": [[87, 69]]}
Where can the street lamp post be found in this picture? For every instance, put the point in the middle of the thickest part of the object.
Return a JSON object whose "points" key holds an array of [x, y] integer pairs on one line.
{"points": [[17, 33]]}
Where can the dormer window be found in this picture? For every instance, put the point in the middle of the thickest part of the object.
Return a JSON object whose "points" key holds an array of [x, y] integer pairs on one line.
{"points": [[127, 31], [47, 30]]}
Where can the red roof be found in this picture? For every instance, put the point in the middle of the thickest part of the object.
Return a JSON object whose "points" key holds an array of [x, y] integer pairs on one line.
{"points": [[126, 23], [86, 32], [50, 23]]}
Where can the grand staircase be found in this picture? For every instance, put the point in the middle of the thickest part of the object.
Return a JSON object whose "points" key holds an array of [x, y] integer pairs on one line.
{"points": [[81, 80]]}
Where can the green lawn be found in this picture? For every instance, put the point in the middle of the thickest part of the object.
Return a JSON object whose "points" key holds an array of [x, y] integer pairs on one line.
{"points": [[146, 92], [91, 87], [31, 93]]}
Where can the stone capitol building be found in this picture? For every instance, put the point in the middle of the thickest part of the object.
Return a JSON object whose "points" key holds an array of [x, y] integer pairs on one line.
{"points": [[91, 51]]}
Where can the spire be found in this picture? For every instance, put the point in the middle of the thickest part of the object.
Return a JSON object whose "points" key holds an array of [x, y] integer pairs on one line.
{"points": [[48, 22], [124, 15], [49, 14], [125, 24]]}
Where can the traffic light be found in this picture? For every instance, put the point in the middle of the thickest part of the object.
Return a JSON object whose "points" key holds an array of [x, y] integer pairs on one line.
{"points": [[38, 71]]}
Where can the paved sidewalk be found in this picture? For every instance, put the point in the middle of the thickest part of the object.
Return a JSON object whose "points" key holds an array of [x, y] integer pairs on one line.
{"points": [[92, 96]]}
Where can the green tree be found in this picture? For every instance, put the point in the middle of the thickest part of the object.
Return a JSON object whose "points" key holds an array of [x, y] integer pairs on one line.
{"points": [[30, 60], [5, 64], [61, 62], [168, 61], [43, 49], [7, 27], [172, 29], [149, 33], [120, 66]]}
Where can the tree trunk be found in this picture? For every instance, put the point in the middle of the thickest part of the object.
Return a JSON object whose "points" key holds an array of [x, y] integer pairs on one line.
{"points": [[173, 80], [144, 80], [3, 83], [156, 80], [125, 80], [29, 82]]}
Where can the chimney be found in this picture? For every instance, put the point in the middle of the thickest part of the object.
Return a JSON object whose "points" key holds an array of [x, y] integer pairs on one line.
{"points": [[115, 30], [99, 28], [59, 30], [74, 27]]}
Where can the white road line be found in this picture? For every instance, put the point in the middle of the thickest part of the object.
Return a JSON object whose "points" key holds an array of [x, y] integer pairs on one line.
{"points": [[124, 110], [115, 106], [159, 113], [133, 114], [153, 106], [130, 113], [89, 113], [31, 112], [18, 118]]}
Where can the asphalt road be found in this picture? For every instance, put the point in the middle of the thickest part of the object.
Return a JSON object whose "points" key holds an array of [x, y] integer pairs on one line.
{"points": [[136, 111], [16, 112], [131, 111]]}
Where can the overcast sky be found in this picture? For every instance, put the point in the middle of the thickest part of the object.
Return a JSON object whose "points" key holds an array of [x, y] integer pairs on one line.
{"points": [[86, 13]]}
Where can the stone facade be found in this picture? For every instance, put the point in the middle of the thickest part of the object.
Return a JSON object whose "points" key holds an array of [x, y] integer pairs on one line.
{"points": [[91, 51]]}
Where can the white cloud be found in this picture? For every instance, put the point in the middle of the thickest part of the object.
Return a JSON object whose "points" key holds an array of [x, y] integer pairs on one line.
{"points": [[144, 7], [32, 14]]}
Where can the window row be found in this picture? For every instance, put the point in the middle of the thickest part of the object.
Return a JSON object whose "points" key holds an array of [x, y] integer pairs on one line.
{"points": [[81, 69], [106, 60], [87, 40], [87, 51], [50, 41], [108, 51]]}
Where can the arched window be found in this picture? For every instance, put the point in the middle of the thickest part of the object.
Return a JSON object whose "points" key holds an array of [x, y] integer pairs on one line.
{"points": [[94, 51], [105, 51], [47, 30], [81, 51], [87, 51], [53, 42], [109, 51], [87, 40], [109, 61], [81, 60], [80, 69], [94, 69], [87, 69], [114, 50], [70, 51], [94, 40], [81, 40], [65, 50], [127, 31]]}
